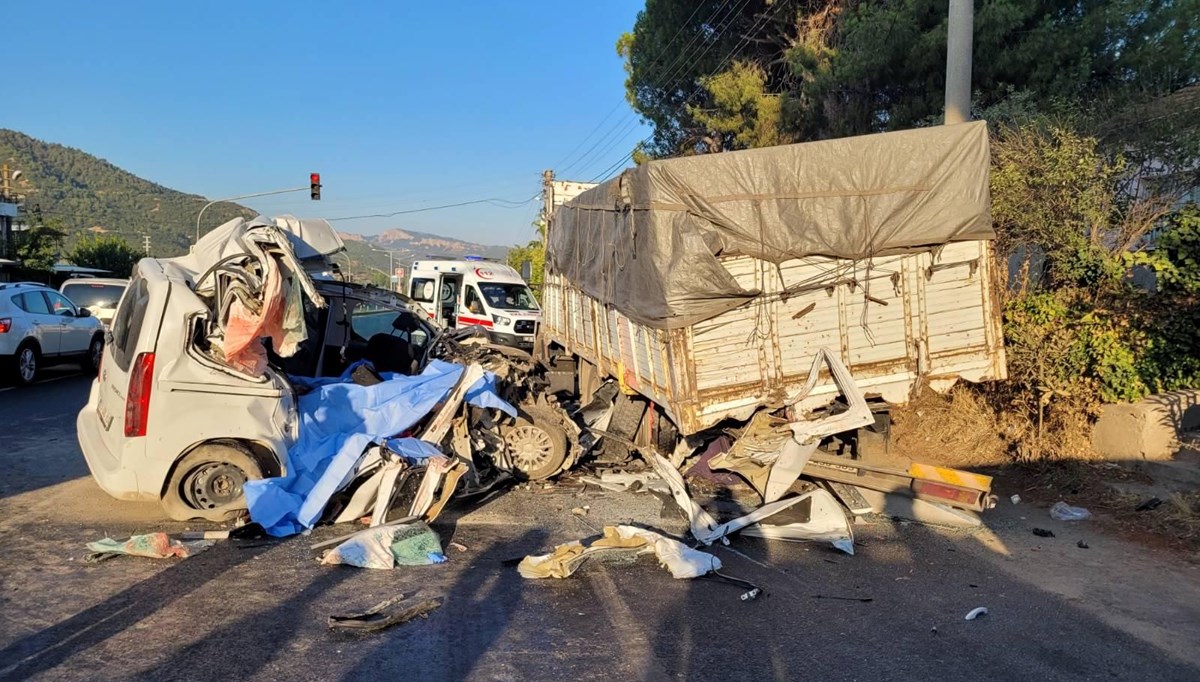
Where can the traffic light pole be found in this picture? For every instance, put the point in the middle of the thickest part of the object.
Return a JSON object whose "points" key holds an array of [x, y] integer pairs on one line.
{"points": [[238, 198]]}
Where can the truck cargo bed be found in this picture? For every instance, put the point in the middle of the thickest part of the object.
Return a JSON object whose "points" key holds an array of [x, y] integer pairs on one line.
{"points": [[894, 320]]}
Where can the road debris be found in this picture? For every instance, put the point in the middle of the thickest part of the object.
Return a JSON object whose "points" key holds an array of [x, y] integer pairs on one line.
{"points": [[150, 545], [581, 511], [389, 546], [825, 522], [338, 421], [1061, 511], [976, 613], [1150, 504], [458, 546], [1016, 499], [1043, 533], [864, 600], [384, 615], [681, 560], [1082, 545]]}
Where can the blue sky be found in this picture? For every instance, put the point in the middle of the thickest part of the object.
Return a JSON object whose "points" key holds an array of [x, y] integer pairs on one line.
{"points": [[397, 104]]}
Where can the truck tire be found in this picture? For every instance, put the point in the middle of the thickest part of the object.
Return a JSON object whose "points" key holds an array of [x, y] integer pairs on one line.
{"points": [[626, 420], [207, 483]]}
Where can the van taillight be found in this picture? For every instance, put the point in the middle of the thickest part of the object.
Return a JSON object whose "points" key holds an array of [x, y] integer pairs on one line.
{"points": [[5, 324], [137, 401]]}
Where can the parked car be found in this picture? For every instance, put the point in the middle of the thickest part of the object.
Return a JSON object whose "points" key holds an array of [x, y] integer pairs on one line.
{"points": [[38, 326], [170, 418], [100, 296]]}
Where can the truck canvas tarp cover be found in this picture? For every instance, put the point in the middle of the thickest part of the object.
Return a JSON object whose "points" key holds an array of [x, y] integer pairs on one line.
{"points": [[648, 242]]}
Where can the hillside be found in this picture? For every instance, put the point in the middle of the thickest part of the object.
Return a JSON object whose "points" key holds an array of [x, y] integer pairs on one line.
{"points": [[370, 251], [83, 192]]}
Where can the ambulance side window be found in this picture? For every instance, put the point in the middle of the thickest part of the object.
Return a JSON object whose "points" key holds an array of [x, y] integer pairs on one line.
{"points": [[422, 290], [472, 301]]}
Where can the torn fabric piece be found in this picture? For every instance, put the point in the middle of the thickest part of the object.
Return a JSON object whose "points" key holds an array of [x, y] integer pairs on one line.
{"points": [[151, 545], [294, 329], [683, 561], [338, 420]]}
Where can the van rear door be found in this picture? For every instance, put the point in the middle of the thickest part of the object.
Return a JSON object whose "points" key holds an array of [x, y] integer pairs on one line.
{"points": [[129, 354]]}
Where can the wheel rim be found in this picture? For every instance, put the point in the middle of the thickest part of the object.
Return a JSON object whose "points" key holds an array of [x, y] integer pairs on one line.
{"points": [[213, 485], [28, 364], [529, 446], [97, 352]]}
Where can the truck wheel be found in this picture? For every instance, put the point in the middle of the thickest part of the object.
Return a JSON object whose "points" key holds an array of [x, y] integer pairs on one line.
{"points": [[207, 483], [536, 446], [26, 364]]}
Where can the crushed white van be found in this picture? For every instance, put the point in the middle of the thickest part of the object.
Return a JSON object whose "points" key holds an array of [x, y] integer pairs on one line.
{"points": [[476, 291], [184, 414]]}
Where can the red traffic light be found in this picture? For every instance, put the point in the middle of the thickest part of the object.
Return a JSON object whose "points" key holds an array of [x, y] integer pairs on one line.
{"points": [[314, 185], [314, 178]]}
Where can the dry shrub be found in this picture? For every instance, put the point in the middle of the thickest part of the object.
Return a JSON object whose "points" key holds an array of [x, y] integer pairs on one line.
{"points": [[959, 428]]}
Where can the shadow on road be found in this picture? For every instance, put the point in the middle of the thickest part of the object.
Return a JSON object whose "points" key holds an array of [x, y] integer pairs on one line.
{"points": [[51, 646], [475, 615]]}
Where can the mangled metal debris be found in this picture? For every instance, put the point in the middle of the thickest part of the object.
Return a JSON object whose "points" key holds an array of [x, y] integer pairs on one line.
{"points": [[384, 615]]}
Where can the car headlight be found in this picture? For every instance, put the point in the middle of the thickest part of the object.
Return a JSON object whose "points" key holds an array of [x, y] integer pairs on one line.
{"points": [[501, 320]]}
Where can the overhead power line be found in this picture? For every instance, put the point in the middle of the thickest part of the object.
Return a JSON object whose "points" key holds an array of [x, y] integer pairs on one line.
{"points": [[502, 203]]}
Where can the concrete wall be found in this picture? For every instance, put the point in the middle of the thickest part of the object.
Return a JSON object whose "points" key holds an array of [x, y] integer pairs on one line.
{"points": [[1149, 429]]}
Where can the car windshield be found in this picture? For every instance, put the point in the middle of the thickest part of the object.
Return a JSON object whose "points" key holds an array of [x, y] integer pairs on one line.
{"points": [[94, 295], [508, 296]]}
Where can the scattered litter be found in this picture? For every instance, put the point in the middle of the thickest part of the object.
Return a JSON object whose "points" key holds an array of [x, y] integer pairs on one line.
{"points": [[977, 612], [389, 546], [458, 546], [1016, 499], [381, 616], [1061, 511], [581, 511], [1082, 545], [864, 600], [151, 545], [826, 520], [1150, 504], [1043, 533], [933, 629], [204, 535], [681, 560]]}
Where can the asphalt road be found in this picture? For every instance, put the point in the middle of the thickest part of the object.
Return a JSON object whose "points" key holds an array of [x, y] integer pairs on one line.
{"points": [[1057, 612]]}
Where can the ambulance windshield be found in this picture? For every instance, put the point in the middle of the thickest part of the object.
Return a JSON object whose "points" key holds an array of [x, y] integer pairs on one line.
{"points": [[508, 296]]}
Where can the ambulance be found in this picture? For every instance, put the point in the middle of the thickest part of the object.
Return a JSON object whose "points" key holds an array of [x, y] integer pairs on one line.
{"points": [[477, 291]]}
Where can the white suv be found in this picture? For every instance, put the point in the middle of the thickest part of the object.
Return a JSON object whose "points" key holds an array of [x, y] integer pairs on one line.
{"points": [[38, 325]]}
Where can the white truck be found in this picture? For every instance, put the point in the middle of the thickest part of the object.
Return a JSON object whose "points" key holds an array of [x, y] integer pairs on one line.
{"points": [[706, 285], [476, 291]]}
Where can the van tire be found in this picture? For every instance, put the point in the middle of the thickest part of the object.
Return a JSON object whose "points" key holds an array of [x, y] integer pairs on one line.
{"points": [[207, 483], [91, 360], [26, 364], [536, 444]]}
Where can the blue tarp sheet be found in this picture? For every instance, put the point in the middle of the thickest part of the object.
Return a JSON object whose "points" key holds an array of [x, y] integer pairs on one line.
{"points": [[338, 420]]}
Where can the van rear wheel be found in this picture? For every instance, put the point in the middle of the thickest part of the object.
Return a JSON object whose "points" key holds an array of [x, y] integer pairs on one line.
{"points": [[208, 483]]}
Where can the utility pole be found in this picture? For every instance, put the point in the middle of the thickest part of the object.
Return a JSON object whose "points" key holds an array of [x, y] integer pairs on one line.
{"points": [[8, 209], [547, 199], [960, 29], [146, 244]]}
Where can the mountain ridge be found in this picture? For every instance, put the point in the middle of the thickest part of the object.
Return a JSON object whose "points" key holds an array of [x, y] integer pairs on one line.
{"points": [[87, 194]]}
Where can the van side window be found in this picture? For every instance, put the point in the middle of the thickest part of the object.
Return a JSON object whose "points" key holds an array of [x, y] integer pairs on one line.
{"points": [[472, 301], [418, 288], [127, 323]]}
